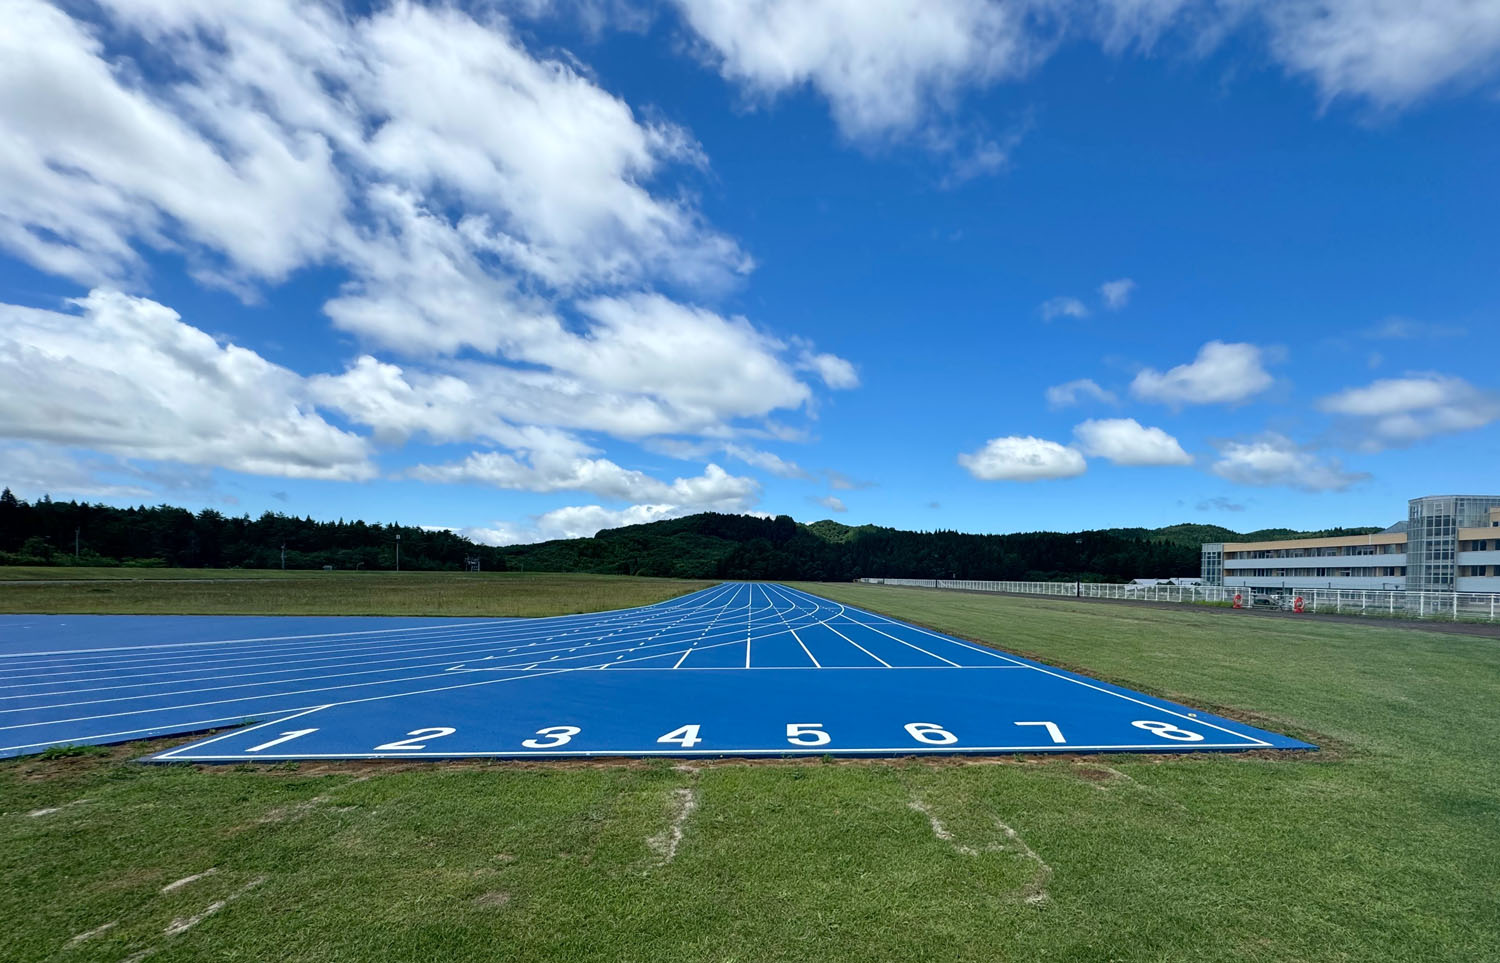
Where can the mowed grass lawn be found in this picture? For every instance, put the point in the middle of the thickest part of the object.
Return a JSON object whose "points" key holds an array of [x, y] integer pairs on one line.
{"points": [[251, 592], [1384, 847]]}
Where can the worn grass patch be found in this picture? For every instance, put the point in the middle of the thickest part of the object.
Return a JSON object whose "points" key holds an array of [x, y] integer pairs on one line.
{"points": [[1385, 850], [232, 592]]}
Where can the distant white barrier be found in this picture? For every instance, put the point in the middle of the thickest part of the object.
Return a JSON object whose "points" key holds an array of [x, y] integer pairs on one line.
{"points": [[1452, 606]]}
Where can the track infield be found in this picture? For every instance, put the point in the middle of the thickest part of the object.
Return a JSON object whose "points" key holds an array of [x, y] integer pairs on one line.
{"points": [[740, 669]]}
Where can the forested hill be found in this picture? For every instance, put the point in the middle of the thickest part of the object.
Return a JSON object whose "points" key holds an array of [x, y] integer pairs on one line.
{"points": [[709, 545], [738, 546]]}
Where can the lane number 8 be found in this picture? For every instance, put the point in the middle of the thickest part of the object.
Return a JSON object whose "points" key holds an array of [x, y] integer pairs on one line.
{"points": [[1168, 731]]}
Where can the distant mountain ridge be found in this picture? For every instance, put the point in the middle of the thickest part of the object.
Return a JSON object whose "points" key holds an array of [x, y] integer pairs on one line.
{"points": [[707, 545], [710, 545]]}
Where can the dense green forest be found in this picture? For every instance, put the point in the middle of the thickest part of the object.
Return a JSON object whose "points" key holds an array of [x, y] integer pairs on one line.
{"points": [[708, 545]]}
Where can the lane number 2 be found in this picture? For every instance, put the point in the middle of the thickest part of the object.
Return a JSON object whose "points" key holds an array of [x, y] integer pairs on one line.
{"points": [[552, 737], [436, 732]]}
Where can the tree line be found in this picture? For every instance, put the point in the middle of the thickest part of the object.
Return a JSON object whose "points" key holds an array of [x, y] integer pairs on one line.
{"points": [[703, 546], [47, 532]]}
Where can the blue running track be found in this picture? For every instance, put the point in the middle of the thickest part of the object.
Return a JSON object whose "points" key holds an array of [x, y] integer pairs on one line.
{"points": [[738, 669]]}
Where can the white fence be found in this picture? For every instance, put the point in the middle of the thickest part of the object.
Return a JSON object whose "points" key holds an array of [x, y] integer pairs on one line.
{"points": [[1453, 606]]}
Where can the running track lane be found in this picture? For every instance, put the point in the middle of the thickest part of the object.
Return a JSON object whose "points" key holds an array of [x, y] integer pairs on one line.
{"points": [[737, 669]]}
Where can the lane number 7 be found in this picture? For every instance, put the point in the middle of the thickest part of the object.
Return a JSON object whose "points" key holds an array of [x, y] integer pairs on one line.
{"points": [[1051, 728]]}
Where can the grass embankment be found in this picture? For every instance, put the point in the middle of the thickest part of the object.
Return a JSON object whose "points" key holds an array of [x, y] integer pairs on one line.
{"points": [[1387, 847], [233, 592]]}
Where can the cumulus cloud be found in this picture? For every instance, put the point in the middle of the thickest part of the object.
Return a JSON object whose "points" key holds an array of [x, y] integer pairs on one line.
{"points": [[125, 375], [1126, 441], [573, 521], [1220, 374], [831, 502], [835, 371], [1063, 307], [483, 203], [33, 470], [881, 67], [1077, 392], [1022, 458], [545, 472], [1274, 459], [1389, 52], [891, 68], [1116, 294], [1399, 411]]}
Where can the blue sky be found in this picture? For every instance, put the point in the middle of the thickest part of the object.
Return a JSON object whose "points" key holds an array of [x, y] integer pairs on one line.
{"points": [[529, 269]]}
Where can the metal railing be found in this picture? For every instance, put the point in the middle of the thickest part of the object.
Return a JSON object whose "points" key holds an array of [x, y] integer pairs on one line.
{"points": [[1451, 606]]}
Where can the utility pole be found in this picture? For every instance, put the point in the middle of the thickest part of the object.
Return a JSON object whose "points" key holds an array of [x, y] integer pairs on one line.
{"points": [[283, 556], [76, 531]]}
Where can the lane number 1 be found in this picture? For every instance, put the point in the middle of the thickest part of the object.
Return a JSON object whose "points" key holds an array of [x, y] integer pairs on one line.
{"points": [[285, 737]]}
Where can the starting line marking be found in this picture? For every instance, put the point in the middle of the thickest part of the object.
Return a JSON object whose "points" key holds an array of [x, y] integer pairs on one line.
{"points": [[730, 670]]}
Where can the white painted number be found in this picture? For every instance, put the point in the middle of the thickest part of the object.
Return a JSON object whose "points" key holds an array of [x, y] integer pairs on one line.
{"points": [[931, 733], [553, 736], [687, 737], [806, 734], [1051, 728], [436, 732], [285, 737], [1167, 731]]}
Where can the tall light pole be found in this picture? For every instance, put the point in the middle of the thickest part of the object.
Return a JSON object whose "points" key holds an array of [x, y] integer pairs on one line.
{"points": [[398, 551], [283, 556]]}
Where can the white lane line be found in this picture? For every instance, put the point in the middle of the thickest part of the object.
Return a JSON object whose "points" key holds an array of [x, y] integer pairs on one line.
{"points": [[480, 634], [501, 627], [1076, 681], [861, 648], [798, 637], [906, 643], [911, 750], [171, 753]]}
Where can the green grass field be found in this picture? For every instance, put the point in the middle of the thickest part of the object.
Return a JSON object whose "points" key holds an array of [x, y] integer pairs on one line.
{"points": [[1386, 846], [257, 592]]}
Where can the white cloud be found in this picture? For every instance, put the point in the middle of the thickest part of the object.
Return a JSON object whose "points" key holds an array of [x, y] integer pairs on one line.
{"points": [[574, 521], [882, 66], [1022, 458], [1221, 373], [896, 66], [127, 376], [1116, 294], [1076, 392], [839, 481], [1404, 410], [1391, 52], [1407, 329], [831, 502], [1126, 441], [1063, 307], [766, 461], [1276, 460], [835, 371], [577, 521], [33, 470], [542, 471]]}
